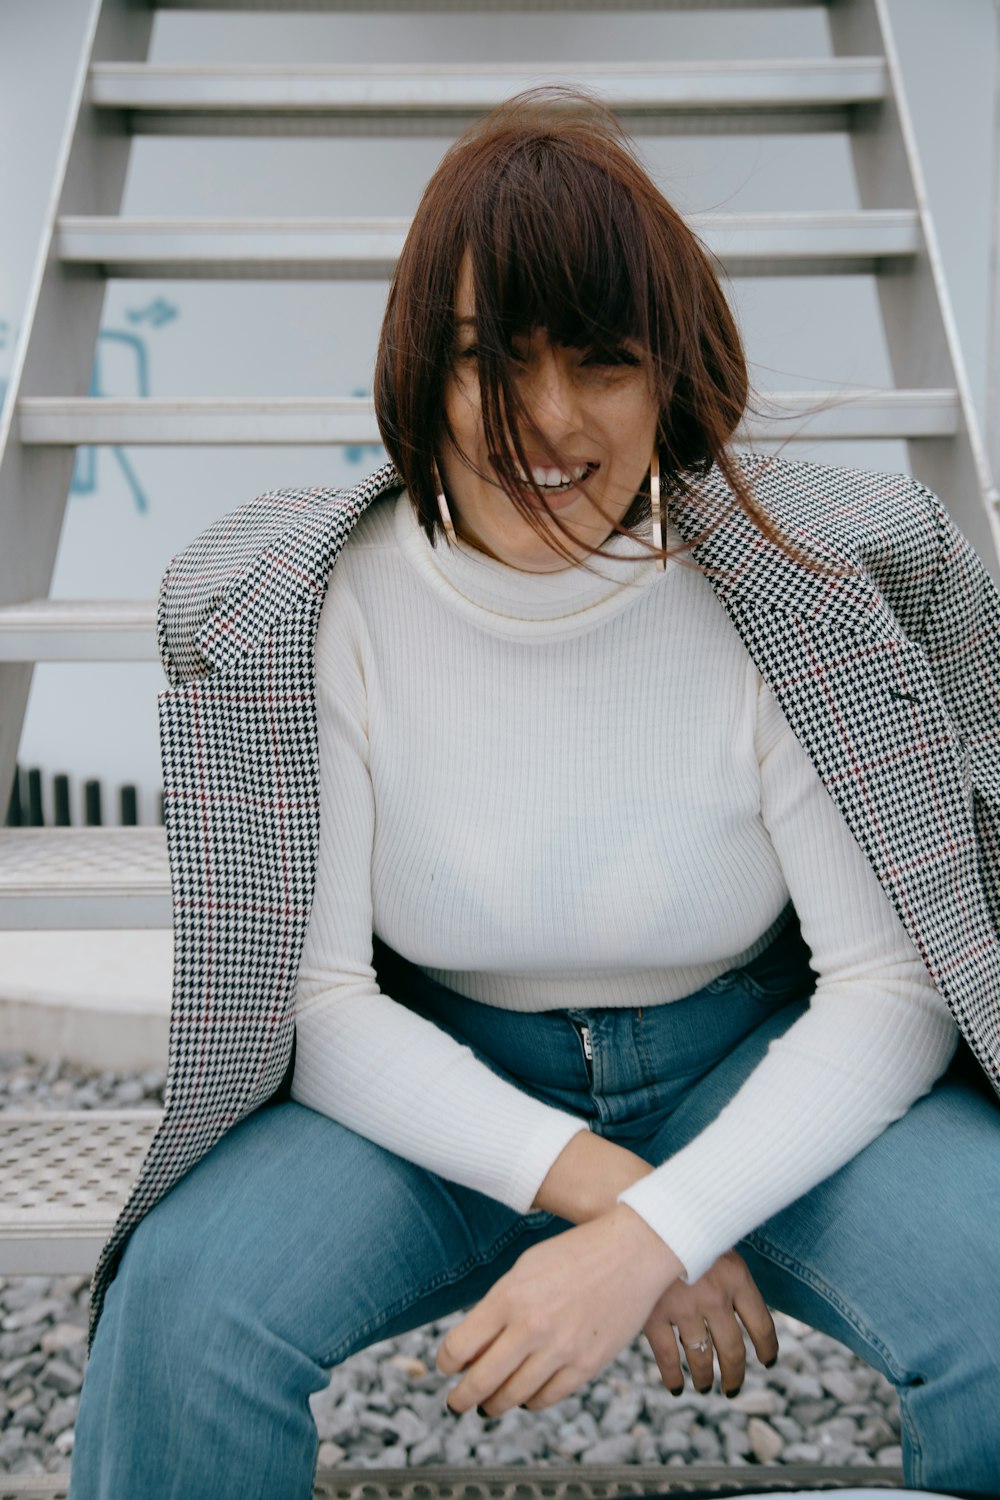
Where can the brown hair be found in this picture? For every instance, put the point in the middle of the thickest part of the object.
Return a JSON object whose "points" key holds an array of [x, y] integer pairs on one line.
{"points": [[622, 264]]}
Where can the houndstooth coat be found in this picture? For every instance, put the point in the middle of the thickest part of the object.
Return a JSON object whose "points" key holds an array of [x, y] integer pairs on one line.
{"points": [[889, 676]]}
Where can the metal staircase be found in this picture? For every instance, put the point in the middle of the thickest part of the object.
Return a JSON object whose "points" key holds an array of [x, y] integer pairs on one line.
{"points": [[116, 878]]}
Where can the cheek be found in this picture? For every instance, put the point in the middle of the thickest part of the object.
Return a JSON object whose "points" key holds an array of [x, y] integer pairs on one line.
{"points": [[632, 428], [461, 405]]}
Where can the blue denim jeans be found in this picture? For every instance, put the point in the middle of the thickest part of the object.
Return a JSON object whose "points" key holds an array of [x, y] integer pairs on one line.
{"points": [[295, 1242]]}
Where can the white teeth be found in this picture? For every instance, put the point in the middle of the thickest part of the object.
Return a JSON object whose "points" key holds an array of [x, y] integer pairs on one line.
{"points": [[555, 478]]}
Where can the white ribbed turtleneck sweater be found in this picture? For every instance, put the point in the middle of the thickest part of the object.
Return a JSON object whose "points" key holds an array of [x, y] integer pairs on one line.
{"points": [[560, 791]]}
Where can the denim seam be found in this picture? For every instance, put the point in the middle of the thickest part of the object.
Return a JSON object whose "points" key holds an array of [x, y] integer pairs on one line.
{"points": [[901, 1379], [444, 1278]]}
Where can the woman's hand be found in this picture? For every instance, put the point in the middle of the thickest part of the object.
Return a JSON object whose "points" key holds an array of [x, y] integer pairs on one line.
{"points": [[706, 1311], [564, 1309]]}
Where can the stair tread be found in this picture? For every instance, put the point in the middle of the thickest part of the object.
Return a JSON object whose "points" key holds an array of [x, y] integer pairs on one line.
{"points": [[55, 861], [742, 83], [280, 420], [370, 246], [541, 1482], [79, 630]]}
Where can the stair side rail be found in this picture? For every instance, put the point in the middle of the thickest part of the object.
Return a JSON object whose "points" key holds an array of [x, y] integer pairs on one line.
{"points": [[54, 354], [920, 330]]}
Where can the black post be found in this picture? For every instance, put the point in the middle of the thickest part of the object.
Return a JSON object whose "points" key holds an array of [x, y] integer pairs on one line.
{"points": [[36, 814], [129, 808], [13, 818], [92, 800], [60, 800]]}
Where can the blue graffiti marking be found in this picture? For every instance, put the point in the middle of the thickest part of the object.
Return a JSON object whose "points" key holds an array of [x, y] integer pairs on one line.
{"points": [[355, 454], [85, 478], [157, 312]]}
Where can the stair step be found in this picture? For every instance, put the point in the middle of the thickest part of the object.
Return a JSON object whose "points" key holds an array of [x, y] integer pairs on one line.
{"points": [[79, 630], [291, 420], [420, 6], [354, 249], [62, 878], [63, 1179], [538, 1482], [168, 98]]}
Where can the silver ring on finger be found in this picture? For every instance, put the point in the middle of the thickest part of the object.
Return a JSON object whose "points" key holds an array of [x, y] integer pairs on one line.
{"points": [[701, 1347]]}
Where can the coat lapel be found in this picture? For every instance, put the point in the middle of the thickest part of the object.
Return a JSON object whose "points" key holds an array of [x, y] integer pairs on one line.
{"points": [[862, 700]]}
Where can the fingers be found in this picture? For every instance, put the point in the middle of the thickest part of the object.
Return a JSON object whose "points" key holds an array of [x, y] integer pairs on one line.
{"points": [[756, 1318], [728, 1340], [468, 1339], [696, 1341], [659, 1331], [503, 1378]]}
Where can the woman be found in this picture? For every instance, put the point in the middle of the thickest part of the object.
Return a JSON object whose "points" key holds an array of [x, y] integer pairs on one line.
{"points": [[648, 890]]}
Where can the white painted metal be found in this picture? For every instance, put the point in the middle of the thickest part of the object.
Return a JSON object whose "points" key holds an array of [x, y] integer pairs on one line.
{"points": [[789, 416], [993, 352], [747, 244], [921, 337], [63, 1178], [814, 83], [346, 420], [55, 350], [78, 630], [420, 6], [210, 421], [84, 877]]}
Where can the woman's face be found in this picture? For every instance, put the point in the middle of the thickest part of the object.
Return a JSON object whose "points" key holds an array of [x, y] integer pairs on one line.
{"points": [[599, 416]]}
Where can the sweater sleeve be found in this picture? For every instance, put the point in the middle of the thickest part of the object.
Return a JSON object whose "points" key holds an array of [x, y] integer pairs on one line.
{"points": [[361, 1057], [876, 1035]]}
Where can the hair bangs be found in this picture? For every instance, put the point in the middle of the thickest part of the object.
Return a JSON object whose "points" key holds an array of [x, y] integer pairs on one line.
{"points": [[563, 232], [554, 245]]}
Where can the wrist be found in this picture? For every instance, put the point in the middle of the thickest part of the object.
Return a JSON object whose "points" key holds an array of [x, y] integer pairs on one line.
{"points": [[586, 1178], [663, 1266]]}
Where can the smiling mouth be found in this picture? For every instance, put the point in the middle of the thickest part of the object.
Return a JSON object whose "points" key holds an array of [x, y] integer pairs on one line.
{"points": [[554, 481]]}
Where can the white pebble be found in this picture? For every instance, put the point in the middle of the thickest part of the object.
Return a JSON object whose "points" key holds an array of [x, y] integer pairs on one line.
{"points": [[765, 1444]]}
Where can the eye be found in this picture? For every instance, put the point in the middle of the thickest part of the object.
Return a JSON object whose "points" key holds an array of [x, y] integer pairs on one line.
{"points": [[616, 356]]}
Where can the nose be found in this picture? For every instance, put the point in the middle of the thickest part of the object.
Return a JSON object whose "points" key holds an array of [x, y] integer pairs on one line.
{"points": [[551, 393]]}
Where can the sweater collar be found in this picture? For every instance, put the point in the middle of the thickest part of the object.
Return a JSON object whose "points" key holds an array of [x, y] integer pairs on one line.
{"points": [[510, 602]]}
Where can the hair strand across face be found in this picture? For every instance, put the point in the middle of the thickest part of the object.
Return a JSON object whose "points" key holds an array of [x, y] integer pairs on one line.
{"points": [[562, 229]]}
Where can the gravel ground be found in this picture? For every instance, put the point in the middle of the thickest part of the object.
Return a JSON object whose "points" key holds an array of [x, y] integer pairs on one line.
{"points": [[384, 1407]]}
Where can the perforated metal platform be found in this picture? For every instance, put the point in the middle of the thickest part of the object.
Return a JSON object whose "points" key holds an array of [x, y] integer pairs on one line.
{"points": [[544, 1484], [63, 1178], [84, 877]]}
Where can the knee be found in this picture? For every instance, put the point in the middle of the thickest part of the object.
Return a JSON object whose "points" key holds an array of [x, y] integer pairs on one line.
{"points": [[159, 1288]]}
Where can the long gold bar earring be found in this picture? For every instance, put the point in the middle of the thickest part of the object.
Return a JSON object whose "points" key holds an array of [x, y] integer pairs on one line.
{"points": [[657, 506], [446, 521]]}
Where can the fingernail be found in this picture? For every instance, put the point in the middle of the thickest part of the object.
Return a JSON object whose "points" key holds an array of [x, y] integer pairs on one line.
{"points": [[678, 1392], [481, 1411], [730, 1394], [451, 1410], [770, 1363]]}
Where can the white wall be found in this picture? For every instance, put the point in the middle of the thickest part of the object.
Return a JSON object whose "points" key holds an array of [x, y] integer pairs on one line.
{"points": [[131, 510]]}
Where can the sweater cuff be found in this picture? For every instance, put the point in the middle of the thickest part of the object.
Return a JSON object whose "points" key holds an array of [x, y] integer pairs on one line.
{"points": [[534, 1164], [673, 1221]]}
